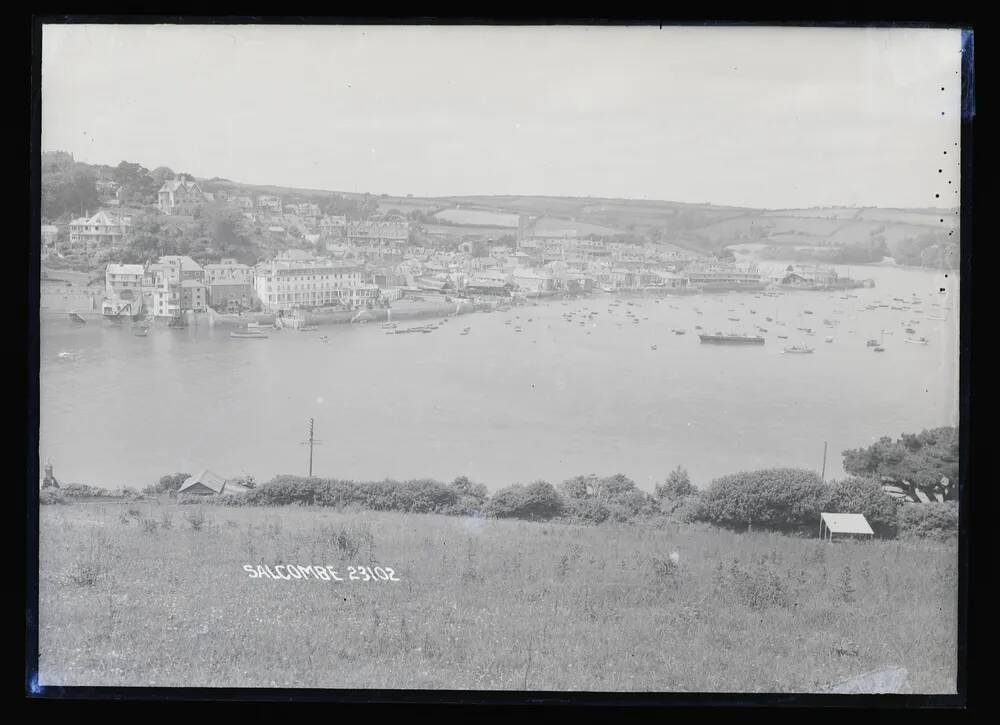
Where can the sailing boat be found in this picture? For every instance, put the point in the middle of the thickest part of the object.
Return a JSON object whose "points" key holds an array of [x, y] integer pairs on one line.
{"points": [[389, 324], [801, 348]]}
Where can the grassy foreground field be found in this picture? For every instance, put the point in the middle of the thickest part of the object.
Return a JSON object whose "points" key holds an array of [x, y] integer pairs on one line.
{"points": [[156, 597]]}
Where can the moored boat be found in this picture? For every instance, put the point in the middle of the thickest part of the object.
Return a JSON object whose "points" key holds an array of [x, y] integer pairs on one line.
{"points": [[732, 339]]}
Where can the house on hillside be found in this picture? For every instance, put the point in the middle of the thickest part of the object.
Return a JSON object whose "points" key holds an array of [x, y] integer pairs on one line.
{"points": [[180, 196], [207, 483], [103, 231]]}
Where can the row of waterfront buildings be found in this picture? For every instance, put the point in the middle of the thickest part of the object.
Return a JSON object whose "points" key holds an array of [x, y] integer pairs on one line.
{"points": [[300, 279]]}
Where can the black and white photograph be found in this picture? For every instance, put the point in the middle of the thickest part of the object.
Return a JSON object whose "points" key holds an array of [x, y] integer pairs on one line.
{"points": [[506, 358]]}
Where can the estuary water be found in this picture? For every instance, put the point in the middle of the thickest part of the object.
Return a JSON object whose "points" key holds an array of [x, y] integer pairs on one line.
{"points": [[579, 389]]}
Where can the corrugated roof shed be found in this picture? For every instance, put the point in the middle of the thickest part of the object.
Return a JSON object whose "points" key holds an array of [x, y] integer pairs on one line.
{"points": [[207, 479], [846, 523]]}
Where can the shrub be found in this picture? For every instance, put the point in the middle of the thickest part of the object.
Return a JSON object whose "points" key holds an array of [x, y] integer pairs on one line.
{"points": [[589, 498], [677, 486], [688, 509], [758, 588], [578, 487], [929, 520], [79, 490], [856, 495], [469, 490], [426, 496], [229, 499], [416, 496], [614, 488], [51, 496], [537, 502], [777, 498], [166, 484], [588, 510]]}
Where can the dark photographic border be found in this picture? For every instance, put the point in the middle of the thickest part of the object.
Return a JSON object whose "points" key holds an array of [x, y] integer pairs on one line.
{"points": [[968, 292]]}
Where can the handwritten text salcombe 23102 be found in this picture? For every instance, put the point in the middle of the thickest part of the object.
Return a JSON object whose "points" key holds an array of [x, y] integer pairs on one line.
{"points": [[322, 573]]}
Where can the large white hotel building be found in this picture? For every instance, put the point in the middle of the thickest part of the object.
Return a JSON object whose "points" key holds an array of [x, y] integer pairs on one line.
{"points": [[284, 284]]}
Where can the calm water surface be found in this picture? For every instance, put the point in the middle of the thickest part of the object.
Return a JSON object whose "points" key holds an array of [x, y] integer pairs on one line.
{"points": [[554, 400]]}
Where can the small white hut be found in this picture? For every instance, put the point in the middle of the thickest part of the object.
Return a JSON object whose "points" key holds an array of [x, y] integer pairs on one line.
{"points": [[853, 524]]}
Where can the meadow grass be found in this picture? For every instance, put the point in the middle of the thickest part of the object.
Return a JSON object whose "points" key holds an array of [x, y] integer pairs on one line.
{"points": [[150, 594]]}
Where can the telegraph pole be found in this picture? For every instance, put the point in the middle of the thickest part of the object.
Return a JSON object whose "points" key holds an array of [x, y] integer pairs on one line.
{"points": [[823, 474], [311, 442]]}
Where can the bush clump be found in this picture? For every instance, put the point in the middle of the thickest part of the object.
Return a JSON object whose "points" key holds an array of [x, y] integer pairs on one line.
{"points": [[756, 586], [614, 498], [537, 502], [929, 520], [471, 497], [168, 484], [858, 495], [780, 499], [416, 496], [677, 486], [79, 490]]}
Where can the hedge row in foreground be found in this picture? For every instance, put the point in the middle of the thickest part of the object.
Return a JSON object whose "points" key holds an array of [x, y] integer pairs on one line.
{"points": [[782, 499]]}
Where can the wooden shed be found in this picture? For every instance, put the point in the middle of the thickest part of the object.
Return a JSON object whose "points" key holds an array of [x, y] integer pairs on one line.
{"points": [[850, 524], [205, 483]]}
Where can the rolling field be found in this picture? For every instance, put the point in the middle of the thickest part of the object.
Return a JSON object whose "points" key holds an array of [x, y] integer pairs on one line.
{"points": [[156, 595]]}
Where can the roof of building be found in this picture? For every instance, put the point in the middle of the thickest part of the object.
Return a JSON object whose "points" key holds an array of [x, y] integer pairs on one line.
{"points": [[175, 184], [207, 479], [132, 269], [101, 218], [192, 283], [846, 523], [186, 263]]}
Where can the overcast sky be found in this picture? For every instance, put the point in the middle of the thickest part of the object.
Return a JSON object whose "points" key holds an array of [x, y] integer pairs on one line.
{"points": [[745, 116]]}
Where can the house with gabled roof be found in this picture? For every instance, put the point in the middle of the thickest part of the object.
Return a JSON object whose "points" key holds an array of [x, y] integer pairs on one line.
{"points": [[180, 196], [102, 231]]}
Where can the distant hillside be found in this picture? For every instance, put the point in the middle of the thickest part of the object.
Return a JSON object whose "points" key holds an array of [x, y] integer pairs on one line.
{"points": [[918, 236]]}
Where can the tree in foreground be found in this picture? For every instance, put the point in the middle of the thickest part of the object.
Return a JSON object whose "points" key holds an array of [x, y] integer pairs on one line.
{"points": [[865, 496], [926, 462], [776, 498], [536, 502]]}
